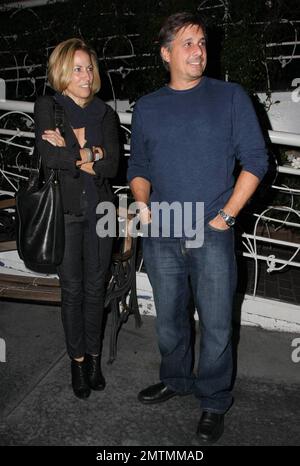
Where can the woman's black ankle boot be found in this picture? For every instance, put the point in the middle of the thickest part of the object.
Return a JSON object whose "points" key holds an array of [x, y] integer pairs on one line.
{"points": [[79, 379], [95, 376]]}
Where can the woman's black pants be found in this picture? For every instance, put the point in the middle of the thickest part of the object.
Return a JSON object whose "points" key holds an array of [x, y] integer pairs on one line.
{"points": [[83, 275]]}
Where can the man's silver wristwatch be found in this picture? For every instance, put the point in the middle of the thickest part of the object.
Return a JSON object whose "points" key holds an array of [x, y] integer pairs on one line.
{"points": [[228, 219]]}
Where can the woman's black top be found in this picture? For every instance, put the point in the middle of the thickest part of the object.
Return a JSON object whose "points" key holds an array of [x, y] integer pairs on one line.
{"points": [[101, 129]]}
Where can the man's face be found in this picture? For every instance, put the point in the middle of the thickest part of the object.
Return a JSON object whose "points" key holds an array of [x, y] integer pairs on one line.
{"points": [[186, 57]]}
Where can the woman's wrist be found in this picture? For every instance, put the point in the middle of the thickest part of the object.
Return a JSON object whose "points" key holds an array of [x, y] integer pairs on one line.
{"points": [[84, 155], [89, 155], [98, 152]]}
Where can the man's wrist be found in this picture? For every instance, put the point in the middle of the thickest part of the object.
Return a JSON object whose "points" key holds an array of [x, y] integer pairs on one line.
{"points": [[143, 209], [228, 219], [144, 215]]}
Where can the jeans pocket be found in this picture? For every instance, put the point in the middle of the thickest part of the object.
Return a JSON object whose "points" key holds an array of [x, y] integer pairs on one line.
{"points": [[210, 227]]}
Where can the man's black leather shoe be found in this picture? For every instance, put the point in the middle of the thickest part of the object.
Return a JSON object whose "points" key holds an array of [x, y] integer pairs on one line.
{"points": [[96, 380], [210, 427], [156, 394], [79, 379]]}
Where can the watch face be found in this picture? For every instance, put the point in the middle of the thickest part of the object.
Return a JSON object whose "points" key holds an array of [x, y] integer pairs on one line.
{"points": [[230, 221]]}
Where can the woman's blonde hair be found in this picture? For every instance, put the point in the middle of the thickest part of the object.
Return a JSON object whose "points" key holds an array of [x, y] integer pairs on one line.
{"points": [[61, 61]]}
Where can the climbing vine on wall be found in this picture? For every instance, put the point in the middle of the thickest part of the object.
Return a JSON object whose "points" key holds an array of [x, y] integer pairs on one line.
{"points": [[124, 35]]}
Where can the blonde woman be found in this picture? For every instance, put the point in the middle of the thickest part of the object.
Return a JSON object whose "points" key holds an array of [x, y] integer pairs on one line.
{"points": [[86, 154]]}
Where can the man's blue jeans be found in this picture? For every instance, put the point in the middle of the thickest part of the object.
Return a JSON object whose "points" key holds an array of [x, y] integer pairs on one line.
{"points": [[212, 273]]}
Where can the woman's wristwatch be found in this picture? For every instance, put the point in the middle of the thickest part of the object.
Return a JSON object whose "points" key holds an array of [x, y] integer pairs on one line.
{"points": [[97, 156], [90, 155], [93, 156]]}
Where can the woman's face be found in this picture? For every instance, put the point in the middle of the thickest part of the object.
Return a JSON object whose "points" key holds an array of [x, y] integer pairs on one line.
{"points": [[80, 86]]}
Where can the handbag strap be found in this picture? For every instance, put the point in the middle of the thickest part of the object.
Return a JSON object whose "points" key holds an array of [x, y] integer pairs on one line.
{"points": [[59, 122], [59, 118]]}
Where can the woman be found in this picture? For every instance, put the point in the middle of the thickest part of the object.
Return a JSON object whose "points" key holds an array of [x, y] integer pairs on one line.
{"points": [[86, 154]]}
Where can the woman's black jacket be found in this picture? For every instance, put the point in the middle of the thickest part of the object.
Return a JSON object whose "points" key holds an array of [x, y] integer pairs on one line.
{"points": [[64, 158]]}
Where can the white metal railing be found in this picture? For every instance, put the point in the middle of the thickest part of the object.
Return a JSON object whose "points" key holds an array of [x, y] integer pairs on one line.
{"points": [[9, 136], [27, 107]]}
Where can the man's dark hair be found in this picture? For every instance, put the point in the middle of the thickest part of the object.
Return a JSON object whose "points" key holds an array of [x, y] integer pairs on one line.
{"points": [[173, 24]]}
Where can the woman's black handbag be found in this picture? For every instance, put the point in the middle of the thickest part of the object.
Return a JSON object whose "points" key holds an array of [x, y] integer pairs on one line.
{"points": [[40, 217]]}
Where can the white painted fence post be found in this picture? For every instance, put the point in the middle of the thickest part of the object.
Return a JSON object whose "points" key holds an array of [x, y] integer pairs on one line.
{"points": [[2, 350]]}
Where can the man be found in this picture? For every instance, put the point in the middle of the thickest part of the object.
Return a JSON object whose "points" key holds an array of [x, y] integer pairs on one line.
{"points": [[186, 138]]}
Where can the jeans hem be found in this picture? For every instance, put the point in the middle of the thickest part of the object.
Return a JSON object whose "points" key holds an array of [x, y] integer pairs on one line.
{"points": [[212, 410]]}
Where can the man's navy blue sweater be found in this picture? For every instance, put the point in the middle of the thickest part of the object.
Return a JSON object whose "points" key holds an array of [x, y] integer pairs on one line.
{"points": [[186, 143]]}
